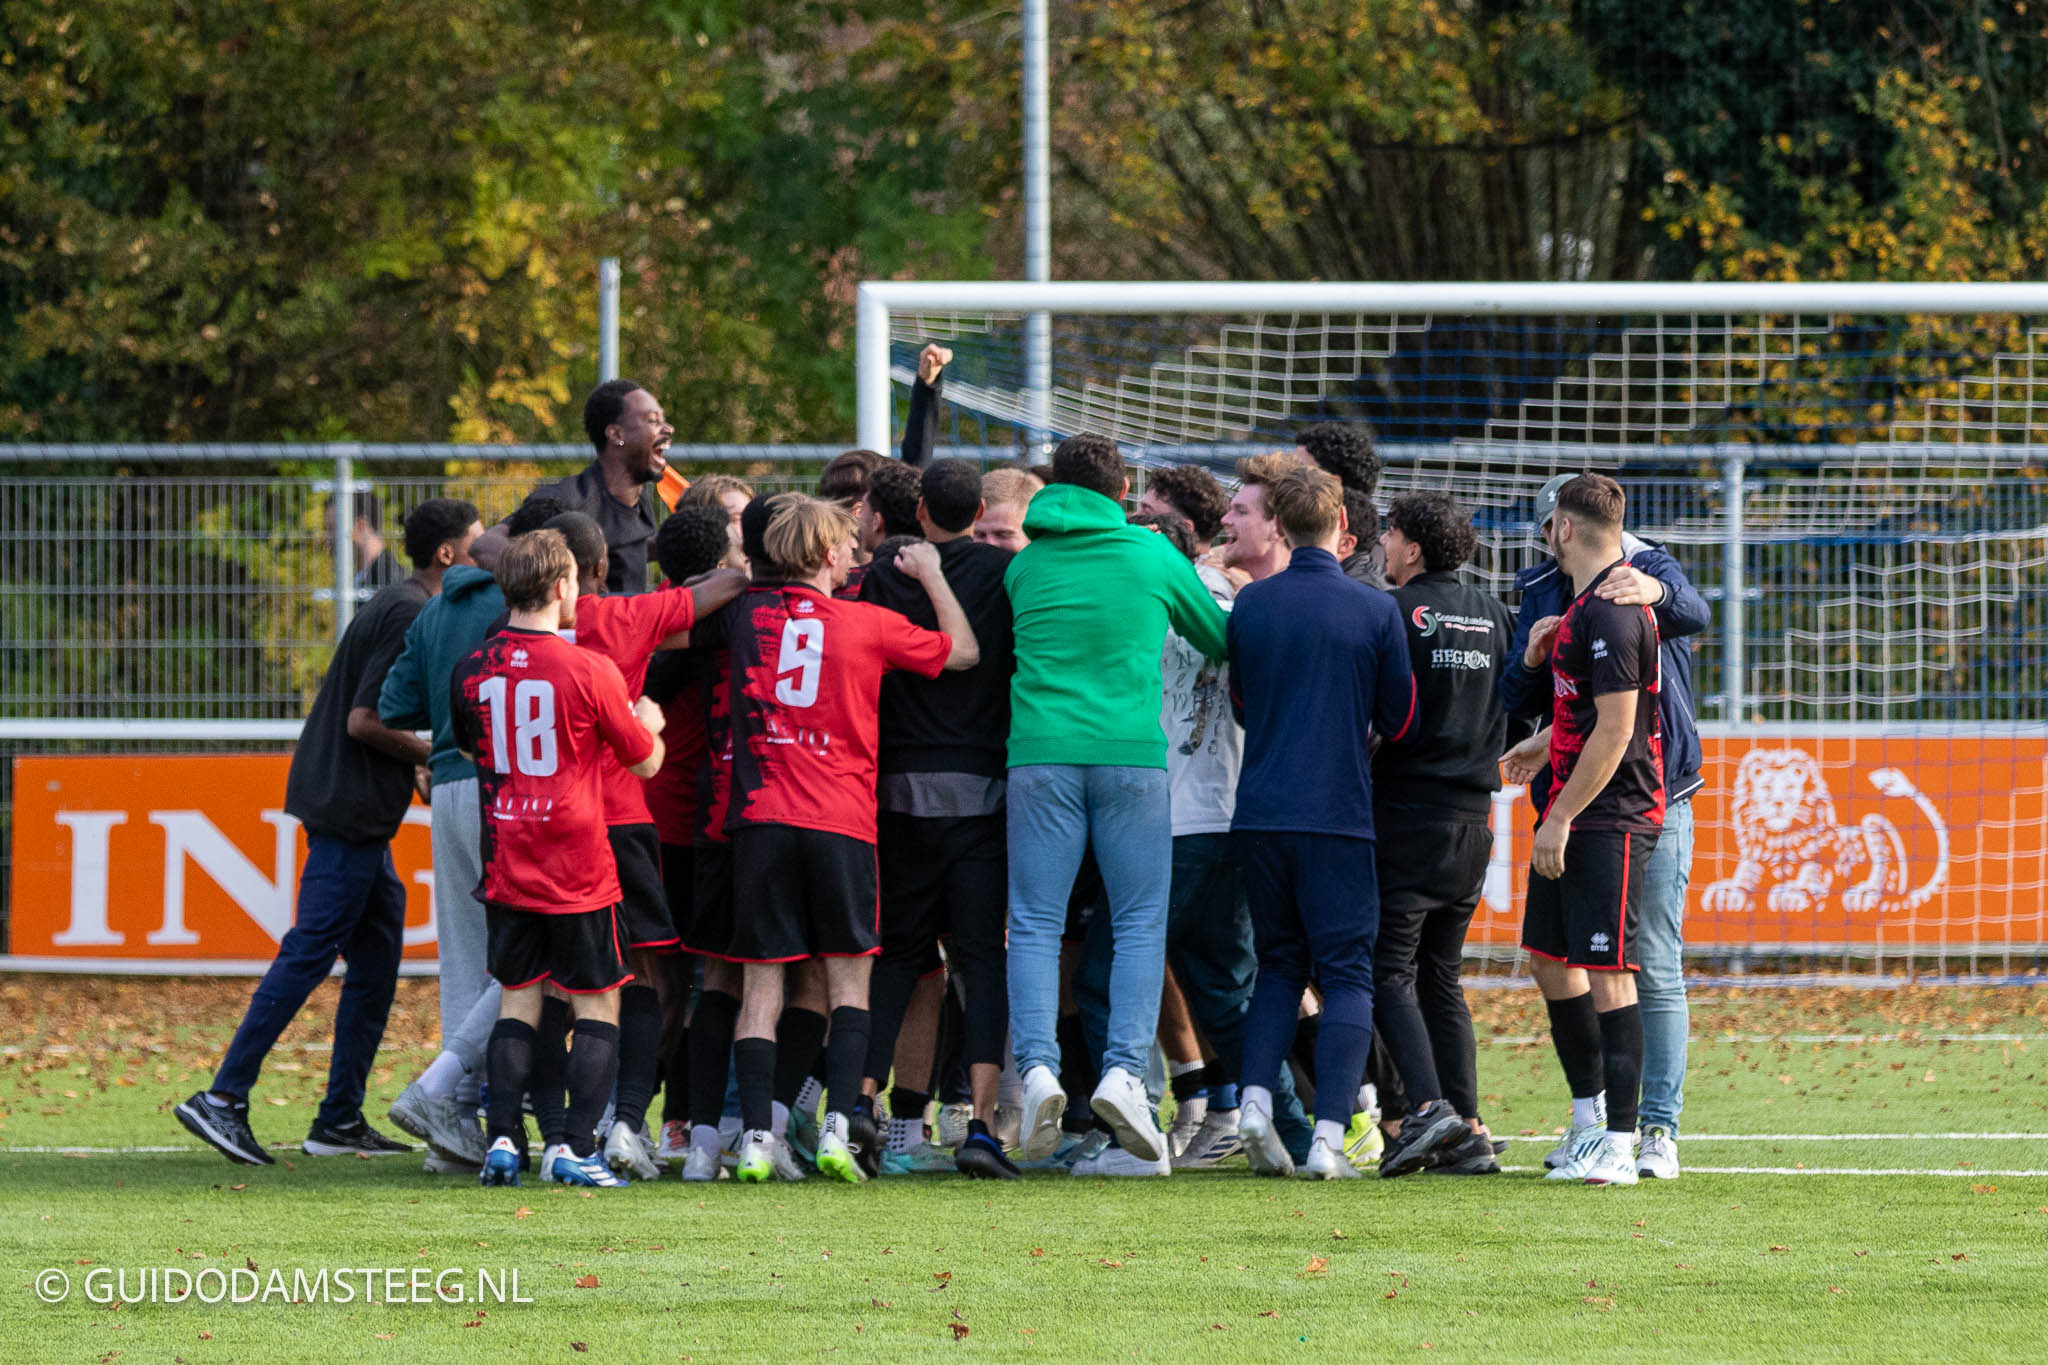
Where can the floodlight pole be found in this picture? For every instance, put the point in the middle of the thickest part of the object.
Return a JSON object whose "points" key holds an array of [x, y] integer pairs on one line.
{"points": [[607, 319], [1037, 222]]}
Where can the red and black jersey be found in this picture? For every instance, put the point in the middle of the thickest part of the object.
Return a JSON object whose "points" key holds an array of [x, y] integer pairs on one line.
{"points": [[805, 685], [1603, 648], [626, 631], [849, 591], [539, 713], [673, 794]]}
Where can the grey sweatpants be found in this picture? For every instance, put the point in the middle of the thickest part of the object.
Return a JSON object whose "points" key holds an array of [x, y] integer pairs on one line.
{"points": [[469, 998]]}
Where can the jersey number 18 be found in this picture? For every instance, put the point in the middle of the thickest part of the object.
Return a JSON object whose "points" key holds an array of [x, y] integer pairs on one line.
{"points": [[533, 725]]}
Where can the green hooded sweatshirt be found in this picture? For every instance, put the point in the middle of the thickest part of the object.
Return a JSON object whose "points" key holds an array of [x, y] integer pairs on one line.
{"points": [[1092, 597]]}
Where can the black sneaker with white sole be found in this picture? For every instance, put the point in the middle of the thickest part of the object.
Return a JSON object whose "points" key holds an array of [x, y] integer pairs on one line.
{"points": [[1434, 1125], [224, 1127], [1473, 1156], [352, 1139]]}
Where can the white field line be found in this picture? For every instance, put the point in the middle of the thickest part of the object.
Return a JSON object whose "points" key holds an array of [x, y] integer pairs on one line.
{"points": [[1525, 1039], [1825, 1137], [1691, 1169]]}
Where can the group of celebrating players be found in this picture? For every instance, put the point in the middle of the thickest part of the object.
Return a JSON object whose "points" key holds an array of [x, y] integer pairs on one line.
{"points": [[973, 788]]}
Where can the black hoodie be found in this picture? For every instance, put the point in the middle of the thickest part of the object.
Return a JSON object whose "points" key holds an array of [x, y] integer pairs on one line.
{"points": [[1448, 762]]}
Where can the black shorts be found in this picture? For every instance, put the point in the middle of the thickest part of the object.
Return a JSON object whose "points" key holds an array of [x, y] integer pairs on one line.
{"points": [[678, 887], [1587, 917], [582, 953], [807, 893], [942, 877], [643, 905], [708, 931]]}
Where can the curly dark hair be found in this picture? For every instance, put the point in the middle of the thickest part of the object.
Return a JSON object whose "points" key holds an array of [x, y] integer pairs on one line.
{"points": [[1193, 492], [1090, 461], [893, 490], [537, 511], [1439, 525], [693, 540], [1175, 529], [1346, 450], [1362, 517]]}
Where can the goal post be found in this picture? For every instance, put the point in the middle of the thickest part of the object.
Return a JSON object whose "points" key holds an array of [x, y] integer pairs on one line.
{"points": [[1852, 474]]}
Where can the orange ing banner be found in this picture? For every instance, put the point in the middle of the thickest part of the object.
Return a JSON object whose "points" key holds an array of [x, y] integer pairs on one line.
{"points": [[173, 858], [1898, 839], [1895, 839]]}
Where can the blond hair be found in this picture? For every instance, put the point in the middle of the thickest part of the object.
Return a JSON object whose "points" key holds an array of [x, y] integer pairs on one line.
{"points": [[1265, 470], [1307, 502], [529, 567], [1000, 487], [804, 532], [710, 491]]}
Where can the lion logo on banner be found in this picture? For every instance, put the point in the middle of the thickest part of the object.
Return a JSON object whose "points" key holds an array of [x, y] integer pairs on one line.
{"points": [[1785, 827]]}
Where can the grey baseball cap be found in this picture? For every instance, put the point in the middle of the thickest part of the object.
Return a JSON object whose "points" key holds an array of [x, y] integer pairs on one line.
{"points": [[1546, 500]]}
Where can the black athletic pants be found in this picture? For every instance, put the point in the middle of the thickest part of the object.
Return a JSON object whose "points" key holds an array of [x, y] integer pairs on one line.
{"points": [[1432, 865]]}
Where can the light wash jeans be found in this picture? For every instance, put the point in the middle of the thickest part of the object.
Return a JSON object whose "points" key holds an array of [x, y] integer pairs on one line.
{"points": [[469, 998], [1056, 812], [1660, 985]]}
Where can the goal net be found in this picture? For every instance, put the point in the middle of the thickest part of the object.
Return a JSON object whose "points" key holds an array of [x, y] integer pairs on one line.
{"points": [[1856, 478]]}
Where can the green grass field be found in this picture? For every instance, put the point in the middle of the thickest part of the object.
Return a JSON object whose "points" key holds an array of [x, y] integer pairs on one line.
{"points": [[1809, 1222]]}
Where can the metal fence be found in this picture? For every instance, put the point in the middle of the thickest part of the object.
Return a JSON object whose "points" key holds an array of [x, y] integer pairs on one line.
{"points": [[145, 586]]}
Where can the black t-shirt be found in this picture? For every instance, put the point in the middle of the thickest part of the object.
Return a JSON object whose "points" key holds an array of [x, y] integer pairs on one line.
{"points": [[340, 787], [1603, 648], [958, 722], [1449, 760], [628, 529]]}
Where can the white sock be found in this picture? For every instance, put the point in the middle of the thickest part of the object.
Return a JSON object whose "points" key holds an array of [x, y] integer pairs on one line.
{"points": [[1586, 1113], [218, 1098], [1256, 1097], [1179, 1069], [442, 1076], [1369, 1100], [778, 1118], [1332, 1132], [808, 1094], [704, 1137]]}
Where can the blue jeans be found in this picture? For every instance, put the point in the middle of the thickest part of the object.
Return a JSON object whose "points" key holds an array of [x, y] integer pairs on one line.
{"points": [[351, 904], [1660, 985], [1209, 947], [1056, 812]]}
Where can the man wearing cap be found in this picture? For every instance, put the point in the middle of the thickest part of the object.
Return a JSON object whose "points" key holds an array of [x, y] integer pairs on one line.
{"points": [[1650, 577]]}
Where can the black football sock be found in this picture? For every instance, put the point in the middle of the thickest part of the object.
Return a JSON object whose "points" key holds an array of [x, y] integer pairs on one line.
{"points": [[551, 1072], [675, 1080], [509, 1064], [846, 1055], [711, 1050], [593, 1071], [753, 1061], [1575, 1033], [1079, 1074], [798, 1036], [905, 1103], [1621, 1041], [639, 1053]]}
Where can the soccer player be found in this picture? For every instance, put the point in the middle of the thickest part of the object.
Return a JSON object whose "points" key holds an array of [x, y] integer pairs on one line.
{"points": [[439, 1108], [731, 496], [628, 630], [1318, 664], [1257, 548], [1092, 598], [1654, 579], [940, 832], [536, 713], [1599, 813], [1005, 497], [1346, 450], [1191, 493], [1432, 799], [351, 780], [806, 680]]}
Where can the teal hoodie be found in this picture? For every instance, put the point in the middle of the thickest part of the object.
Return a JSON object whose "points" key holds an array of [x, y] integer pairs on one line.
{"points": [[448, 630], [1093, 597]]}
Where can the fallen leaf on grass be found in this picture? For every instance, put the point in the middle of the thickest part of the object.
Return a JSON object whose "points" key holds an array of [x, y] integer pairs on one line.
{"points": [[1218, 1327], [206, 1336], [1776, 1247], [1038, 1251], [942, 1275], [239, 1187], [383, 1336], [959, 1330], [1862, 1253], [1427, 1346], [881, 1303], [1028, 1331], [1605, 1305], [1336, 1234], [1317, 1265], [522, 1212], [1113, 1265], [1270, 1313], [586, 1282], [1960, 1256], [1834, 1289], [578, 1346], [1983, 1189]]}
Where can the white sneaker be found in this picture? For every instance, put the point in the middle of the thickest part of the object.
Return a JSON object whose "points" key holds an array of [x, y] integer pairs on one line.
{"points": [[1121, 1102], [627, 1151], [1586, 1146], [1561, 1153], [786, 1166], [1188, 1118], [1118, 1162], [701, 1162], [1614, 1163], [674, 1144], [1044, 1104], [1212, 1144], [1657, 1158], [1327, 1163], [1262, 1145], [953, 1121]]}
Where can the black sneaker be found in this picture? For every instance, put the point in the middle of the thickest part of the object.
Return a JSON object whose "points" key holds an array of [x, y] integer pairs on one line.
{"points": [[865, 1139], [224, 1127], [1473, 1156], [1435, 1125], [349, 1140], [983, 1157]]}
